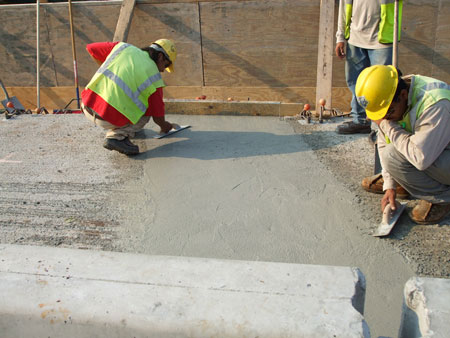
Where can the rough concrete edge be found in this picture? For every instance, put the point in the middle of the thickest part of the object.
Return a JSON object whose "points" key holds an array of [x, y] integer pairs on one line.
{"points": [[415, 321], [359, 298]]}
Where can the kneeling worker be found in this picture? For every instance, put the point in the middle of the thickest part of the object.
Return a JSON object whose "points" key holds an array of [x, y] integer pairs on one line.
{"points": [[413, 115], [127, 90]]}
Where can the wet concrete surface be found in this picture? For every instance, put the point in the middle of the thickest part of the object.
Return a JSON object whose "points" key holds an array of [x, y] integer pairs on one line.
{"points": [[351, 158], [252, 188]]}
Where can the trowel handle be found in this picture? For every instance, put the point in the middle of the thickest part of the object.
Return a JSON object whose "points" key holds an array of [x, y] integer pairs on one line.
{"points": [[4, 89]]}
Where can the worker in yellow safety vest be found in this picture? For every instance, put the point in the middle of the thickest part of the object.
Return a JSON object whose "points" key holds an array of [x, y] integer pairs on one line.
{"points": [[413, 117], [126, 91], [364, 38]]}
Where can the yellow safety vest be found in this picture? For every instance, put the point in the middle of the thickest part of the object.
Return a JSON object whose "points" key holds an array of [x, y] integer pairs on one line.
{"points": [[126, 80], [386, 26]]}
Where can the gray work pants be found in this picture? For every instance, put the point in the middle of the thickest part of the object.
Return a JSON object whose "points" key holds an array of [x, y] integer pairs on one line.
{"points": [[431, 184], [114, 132]]}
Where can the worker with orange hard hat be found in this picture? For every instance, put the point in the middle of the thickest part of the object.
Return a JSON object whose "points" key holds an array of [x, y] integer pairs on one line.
{"points": [[126, 91], [413, 116]]}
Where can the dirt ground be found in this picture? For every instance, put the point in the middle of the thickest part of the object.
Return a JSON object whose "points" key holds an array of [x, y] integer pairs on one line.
{"points": [[351, 158]]}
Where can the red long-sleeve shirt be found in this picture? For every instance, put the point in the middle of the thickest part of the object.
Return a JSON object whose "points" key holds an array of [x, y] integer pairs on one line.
{"points": [[100, 51]]}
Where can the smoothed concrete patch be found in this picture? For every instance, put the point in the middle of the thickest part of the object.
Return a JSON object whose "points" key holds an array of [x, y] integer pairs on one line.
{"points": [[81, 293]]}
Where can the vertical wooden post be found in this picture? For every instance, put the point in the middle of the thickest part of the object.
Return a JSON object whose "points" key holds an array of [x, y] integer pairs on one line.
{"points": [[325, 53], [124, 22], [395, 39]]}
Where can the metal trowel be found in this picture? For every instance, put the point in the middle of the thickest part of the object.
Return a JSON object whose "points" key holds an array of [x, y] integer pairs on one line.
{"points": [[390, 217]]}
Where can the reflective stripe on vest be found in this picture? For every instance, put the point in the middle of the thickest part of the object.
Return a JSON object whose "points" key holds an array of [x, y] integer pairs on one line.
{"points": [[386, 26], [426, 91], [115, 83], [348, 17]]}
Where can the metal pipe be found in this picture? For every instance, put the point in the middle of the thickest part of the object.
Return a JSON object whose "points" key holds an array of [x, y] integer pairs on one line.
{"points": [[74, 54], [38, 103], [395, 42]]}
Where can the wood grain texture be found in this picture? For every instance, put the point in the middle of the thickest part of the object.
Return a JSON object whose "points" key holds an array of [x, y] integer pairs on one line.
{"points": [[124, 21], [441, 57], [59, 97], [270, 43], [178, 22], [257, 49], [325, 52]]}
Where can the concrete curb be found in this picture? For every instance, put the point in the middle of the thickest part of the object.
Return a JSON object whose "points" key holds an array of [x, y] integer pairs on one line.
{"points": [[426, 308], [75, 293]]}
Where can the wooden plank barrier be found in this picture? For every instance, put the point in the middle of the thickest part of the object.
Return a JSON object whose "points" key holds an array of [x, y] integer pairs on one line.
{"points": [[245, 49]]}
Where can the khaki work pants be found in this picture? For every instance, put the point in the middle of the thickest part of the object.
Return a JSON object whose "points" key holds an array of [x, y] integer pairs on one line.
{"points": [[114, 132], [431, 184]]}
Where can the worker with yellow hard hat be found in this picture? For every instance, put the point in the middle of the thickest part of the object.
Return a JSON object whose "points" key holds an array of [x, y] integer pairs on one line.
{"points": [[126, 91], [413, 116]]}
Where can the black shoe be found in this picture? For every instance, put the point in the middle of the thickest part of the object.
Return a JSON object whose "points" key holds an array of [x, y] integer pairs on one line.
{"points": [[122, 146], [353, 128]]}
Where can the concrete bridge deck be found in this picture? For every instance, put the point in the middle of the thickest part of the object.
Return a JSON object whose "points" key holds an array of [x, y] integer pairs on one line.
{"points": [[246, 188]]}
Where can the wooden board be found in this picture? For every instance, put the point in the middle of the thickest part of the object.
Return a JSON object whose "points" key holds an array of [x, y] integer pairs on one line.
{"points": [[441, 56], [178, 22], [256, 49], [325, 52], [271, 43], [59, 97], [124, 21]]}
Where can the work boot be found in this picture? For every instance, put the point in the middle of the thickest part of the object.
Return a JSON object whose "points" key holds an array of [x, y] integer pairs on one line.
{"points": [[375, 184], [353, 128], [428, 213], [122, 146]]}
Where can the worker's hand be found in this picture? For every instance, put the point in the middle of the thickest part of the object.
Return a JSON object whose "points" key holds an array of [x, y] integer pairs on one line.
{"points": [[340, 50], [388, 198], [165, 127], [175, 126], [163, 124]]}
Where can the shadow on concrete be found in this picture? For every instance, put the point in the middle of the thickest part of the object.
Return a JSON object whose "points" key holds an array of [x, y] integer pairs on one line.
{"points": [[213, 145]]}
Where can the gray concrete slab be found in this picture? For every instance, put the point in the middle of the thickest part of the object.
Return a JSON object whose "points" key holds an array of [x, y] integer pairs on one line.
{"points": [[84, 293], [244, 188]]}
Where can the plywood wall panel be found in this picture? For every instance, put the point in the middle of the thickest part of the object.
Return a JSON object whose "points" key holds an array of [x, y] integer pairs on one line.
{"points": [[91, 24], [178, 22], [259, 49], [270, 43], [18, 46], [441, 57], [418, 37]]}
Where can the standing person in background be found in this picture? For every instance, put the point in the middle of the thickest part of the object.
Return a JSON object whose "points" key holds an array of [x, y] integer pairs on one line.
{"points": [[127, 90], [364, 38]]}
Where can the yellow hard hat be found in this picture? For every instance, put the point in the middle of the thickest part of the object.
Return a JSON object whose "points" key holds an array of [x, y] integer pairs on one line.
{"points": [[167, 47], [375, 89]]}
